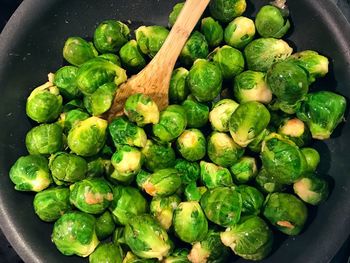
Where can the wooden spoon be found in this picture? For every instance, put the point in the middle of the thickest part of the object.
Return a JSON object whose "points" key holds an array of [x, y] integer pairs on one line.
{"points": [[154, 79]]}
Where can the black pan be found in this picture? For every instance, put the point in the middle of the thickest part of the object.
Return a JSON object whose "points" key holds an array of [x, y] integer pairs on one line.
{"points": [[30, 47]]}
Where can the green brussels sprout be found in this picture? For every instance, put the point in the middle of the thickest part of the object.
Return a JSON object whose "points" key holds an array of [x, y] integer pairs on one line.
{"points": [[104, 225], [262, 53], [101, 100], [197, 113], [252, 200], [70, 118], [92, 195], [107, 252], [110, 36], [214, 176], [196, 47], [271, 22], [30, 173], [311, 189], [65, 81], [226, 10], [163, 182], [151, 38], [250, 239], [240, 32], [127, 202], [296, 131], [151, 240], [251, 86], [88, 137], [178, 256], [244, 170], [96, 72], [158, 156], [190, 223], [112, 58], [229, 60], [191, 145], [255, 145], [51, 204], [162, 208], [193, 192], [178, 89], [124, 132], [222, 150], [127, 162], [44, 103], [222, 205], [189, 171], [213, 31], [74, 233], [77, 51], [220, 115], [97, 166], [286, 212], [45, 139], [172, 122], [141, 177], [322, 111], [312, 158], [248, 121], [175, 13], [267, 183], [141, 109], [131, 56], [204, 80]]}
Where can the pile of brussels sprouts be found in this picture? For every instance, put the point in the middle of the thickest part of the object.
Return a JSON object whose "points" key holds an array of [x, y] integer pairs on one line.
{"points": [[198, 179]]}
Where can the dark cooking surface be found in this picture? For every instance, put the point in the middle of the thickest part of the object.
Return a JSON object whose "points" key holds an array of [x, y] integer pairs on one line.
{"points": [[8, 255]]}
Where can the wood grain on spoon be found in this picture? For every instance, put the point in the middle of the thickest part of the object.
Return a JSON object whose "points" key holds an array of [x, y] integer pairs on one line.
{"points": [[154, 79]]}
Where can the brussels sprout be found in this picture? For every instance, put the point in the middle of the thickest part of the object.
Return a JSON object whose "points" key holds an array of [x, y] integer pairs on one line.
{"points": [[150, 39], [244, 170], [219, 116], [250, 239], [146, 238], [255, 145], [312, 158], [213, 31], [65, 80], [178, 89], [172, 122], [204, 80], [69, 119], [296, 131], [222, 150], [252, 200], [213, 176], [104, 225], [97, 166], [197, 113], [88, 137], [44, 103], [248, 121], [45, 139], [127, 203], [178, 256], [261, 53], [132, 57], [127, 162], [158, 156], [101, 100], [286, 212], [164, 182], [92, 195], [107, 252], [229, 60], [112, 58], [110, 36], [175, 13], [189, 171], [196, 47], [77, 51], [251, 86], [271, 22], [311, 189], [226, 10], [189, 221], [193, 192], [124, 132], [96, 72], [240, 32], [322, 111], [141, 109], [74, 233], [52, 203], [162, 208], [268, 183], [191, 145], [222, 205], [141, 177]]}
